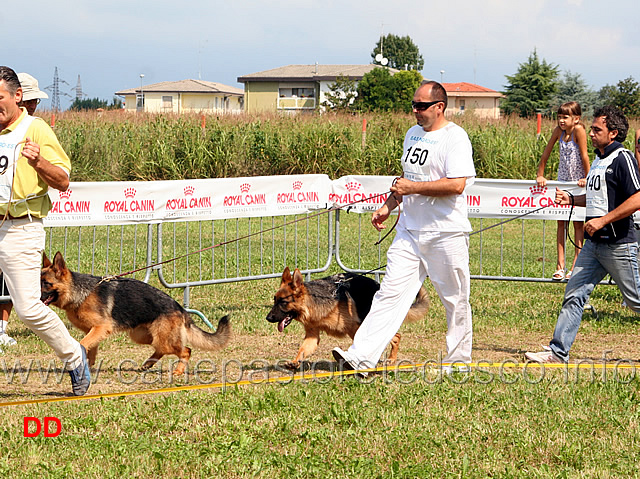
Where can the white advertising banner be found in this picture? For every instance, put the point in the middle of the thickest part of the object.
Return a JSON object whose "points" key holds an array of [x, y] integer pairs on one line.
{"points": [[486, 198], [101, 203]]}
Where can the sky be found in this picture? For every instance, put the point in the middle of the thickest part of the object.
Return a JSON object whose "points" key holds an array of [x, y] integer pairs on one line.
{"points": [[110, 44]]}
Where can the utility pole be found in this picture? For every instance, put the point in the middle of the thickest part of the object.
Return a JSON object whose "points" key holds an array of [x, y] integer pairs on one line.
{"points": [[55, 91]]}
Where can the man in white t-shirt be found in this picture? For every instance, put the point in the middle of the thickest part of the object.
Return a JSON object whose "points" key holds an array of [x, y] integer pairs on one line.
{"points": [[432, 236]]}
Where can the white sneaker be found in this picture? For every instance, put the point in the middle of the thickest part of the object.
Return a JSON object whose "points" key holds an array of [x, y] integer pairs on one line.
{"points": [[7, 340], [455, 368], [543, 357], [347, 364]]}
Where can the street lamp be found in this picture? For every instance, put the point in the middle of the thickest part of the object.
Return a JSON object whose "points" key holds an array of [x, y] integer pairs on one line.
{"points": [[141, 93], [441, 75]]}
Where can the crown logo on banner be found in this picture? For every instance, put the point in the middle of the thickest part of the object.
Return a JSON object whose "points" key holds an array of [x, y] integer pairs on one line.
{"points": [[353, 186], [245, 187], [65, 194], [129, 192], [538, 190], [297, 185], [188, 190]]}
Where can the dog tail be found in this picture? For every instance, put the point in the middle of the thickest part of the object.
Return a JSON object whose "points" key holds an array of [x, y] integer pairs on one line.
{"points": [[419, 307], [209, 341]]}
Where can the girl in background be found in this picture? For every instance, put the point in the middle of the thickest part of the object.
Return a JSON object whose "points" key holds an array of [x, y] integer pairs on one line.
{"points": [[574, 166]]}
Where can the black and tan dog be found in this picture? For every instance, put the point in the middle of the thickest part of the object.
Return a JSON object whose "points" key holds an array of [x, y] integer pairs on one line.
{"points": [[102, 307], [336, 305]]}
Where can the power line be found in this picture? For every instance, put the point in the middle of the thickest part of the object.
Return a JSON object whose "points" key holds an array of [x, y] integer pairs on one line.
{"points": [[55, 91]]}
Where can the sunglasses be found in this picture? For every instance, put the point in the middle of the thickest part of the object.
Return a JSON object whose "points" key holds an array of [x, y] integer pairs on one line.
{"points": [[423, 105]]}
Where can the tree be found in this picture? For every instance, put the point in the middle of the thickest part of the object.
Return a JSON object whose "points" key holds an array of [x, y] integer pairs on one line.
{"points": [[376, 90], [95, 103], [405, 85], [625, 95], [531, 89], [401, 52], [341, 95], [573, 88], [380, 91]]}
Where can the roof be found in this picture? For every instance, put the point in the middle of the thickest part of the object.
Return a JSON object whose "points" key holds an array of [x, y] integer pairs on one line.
{"points": [[185, 86], [469, 89], [311, 73]]}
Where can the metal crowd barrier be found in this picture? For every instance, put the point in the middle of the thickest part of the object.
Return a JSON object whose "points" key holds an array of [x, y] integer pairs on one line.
{"points": [[188, 254]]}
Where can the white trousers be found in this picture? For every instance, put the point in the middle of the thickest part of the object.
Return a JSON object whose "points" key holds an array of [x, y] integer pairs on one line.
{"points": [[413, 255], [21, 245]]}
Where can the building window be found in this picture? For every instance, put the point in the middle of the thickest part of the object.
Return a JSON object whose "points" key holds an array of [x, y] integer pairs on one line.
{"points": [[167, 102], [139, 102], [461, 105], [297, 92]]}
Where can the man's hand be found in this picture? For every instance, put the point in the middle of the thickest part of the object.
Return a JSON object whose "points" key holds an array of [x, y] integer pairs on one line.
{"points": [[562, 197], [402, 186], [594, 225], [31, 151], [379, 217]]}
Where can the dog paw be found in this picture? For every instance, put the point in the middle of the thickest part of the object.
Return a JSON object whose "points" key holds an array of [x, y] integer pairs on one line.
{"points": [[292, 365]]}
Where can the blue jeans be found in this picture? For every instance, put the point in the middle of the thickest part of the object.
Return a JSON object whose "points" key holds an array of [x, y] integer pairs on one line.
{"points": [[594, 262]]}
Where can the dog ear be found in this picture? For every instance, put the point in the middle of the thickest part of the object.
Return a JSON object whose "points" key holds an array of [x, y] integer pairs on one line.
{"points": [[286, 275], [46, 262], [58, 263], [298, 280]]}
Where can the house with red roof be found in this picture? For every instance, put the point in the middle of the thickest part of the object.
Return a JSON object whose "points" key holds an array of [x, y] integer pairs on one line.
{"points": [[483, 102]]}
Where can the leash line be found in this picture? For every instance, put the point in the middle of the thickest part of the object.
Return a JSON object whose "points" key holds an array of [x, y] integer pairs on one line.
{"points": [[234, 240], [433, 366]]}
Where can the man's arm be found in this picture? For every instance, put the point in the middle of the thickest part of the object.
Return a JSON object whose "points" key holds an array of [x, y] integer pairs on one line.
{"points": [[54, 176], [564, 198], [440, 187], [630, 206]]}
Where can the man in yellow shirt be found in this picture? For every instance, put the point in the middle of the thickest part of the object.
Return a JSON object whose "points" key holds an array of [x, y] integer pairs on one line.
{"points": [[31, 160], [31, 96]]}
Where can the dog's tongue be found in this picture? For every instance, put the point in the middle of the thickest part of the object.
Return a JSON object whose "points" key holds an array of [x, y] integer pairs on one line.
{"points": [[284, 323]]}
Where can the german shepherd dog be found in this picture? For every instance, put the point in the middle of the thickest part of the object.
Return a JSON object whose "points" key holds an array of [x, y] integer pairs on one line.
{"points": [[336, 305], [102, 307]]}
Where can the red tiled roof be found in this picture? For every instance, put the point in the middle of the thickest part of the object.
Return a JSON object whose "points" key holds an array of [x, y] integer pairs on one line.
{"points": [[466, 87]]}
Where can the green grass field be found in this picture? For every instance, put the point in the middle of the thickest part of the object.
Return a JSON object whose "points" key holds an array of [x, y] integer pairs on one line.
{"points": [[494, 422]]}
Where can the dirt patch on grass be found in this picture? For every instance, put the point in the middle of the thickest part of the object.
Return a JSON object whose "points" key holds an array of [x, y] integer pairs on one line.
{"points": [[30, 371]]}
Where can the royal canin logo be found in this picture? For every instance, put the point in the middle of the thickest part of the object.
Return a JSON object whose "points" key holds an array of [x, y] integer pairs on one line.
{"points": [[357, 194], [353, 186], [244, 198], [129, 204], [189, 202], [537, 190], [66, 206], [297, 195]]}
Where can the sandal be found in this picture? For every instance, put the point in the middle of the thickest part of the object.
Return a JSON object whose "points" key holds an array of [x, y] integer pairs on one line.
{"points": [[568, 275], [558, 275]]}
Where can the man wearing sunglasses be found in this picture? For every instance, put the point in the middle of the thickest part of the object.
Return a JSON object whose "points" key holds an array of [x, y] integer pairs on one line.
{"points": [[432, 236]]}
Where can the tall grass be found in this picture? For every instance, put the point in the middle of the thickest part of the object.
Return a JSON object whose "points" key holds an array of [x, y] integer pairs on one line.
{"points": [[116, 146]]}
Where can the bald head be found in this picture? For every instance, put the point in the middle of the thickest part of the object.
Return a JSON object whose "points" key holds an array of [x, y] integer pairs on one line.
{"points": [[434, 90]]}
